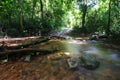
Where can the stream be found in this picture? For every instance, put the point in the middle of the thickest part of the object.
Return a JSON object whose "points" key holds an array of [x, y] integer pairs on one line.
{"points": [[109, 58], [55, 66]]}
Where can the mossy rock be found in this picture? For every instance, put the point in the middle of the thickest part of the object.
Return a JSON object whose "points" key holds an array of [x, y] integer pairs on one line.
{"points": [[89, 61]]}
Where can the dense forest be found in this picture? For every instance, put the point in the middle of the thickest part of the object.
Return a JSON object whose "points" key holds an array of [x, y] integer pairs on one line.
{"points": [[33, 17]]}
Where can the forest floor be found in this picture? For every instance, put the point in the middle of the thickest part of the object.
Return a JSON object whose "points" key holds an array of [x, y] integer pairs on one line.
{"points": [[55, 67]]}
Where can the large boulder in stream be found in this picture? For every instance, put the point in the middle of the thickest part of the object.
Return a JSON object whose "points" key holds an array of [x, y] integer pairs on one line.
{"points": [[89, 61], [97, 36]]}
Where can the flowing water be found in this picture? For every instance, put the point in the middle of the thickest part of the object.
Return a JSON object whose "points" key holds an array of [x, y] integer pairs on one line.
{"points": [[109, 59]]}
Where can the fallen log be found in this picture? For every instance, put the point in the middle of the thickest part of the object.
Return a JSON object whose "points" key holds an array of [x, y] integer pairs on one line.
{"points": [[25, 45], [27, 51]]}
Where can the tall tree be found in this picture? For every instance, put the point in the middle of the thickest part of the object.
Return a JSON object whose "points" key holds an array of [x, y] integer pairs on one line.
{"points": [[84, 11], [41, 5], [20, 2], [84, 6], [34, 4], [109, 16]]}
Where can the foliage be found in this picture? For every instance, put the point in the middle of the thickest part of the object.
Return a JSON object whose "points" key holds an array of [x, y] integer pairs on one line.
{"points": [[32, 17]]}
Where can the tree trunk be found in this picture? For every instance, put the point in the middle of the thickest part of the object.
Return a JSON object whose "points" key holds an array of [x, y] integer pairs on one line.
{"points": [[118, 6], [9, 16], [20, 16], [21, 20], [84, 15], [41, 9], [41, 5], [34, 4], [109, 16]]}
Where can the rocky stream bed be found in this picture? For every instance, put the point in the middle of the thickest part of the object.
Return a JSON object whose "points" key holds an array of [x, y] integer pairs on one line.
{"points": [[56, 66]]}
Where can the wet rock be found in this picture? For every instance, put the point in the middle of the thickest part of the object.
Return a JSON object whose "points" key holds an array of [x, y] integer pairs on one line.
{"points": [[91, 66], [72, 62], [89, 62], [82, 78], [103, 37], [77, 78], [97, 36], [28, 58], [5, 60], [54, 63], [37, 53], [62, 62]]}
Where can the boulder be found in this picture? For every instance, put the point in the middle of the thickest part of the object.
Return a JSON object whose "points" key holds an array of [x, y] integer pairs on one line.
{"points": [[89, 62], [28, 58], [72, 62]]}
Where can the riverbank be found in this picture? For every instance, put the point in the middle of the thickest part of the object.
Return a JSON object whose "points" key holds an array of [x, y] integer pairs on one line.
{"points": [[112, 44]]}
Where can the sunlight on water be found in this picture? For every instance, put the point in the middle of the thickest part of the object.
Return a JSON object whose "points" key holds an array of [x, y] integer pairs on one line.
{"points": [[67, 53], [92, 50], [115, 57], [76, 48], [77, 42]]}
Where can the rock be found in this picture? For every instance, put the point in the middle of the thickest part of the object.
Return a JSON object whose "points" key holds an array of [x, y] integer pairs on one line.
{"points": [[77, 78], [89, 62], [28, 58], [92, 66], [97, 36], [5, 60], [103, 37], [37, 53], [72, 62], [22, 58], [81, 78], [94, 37]]}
